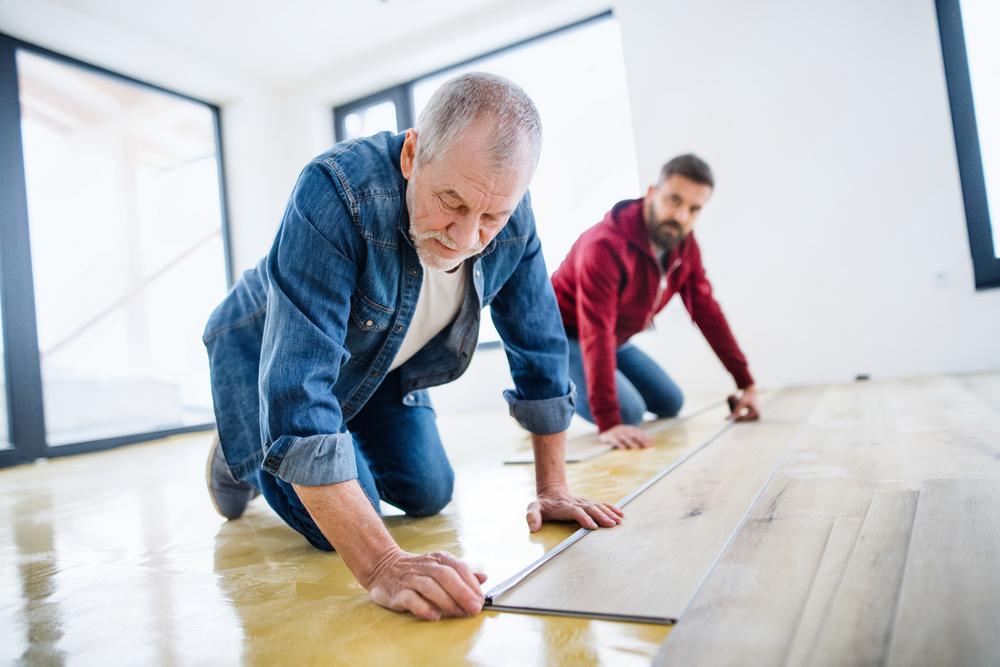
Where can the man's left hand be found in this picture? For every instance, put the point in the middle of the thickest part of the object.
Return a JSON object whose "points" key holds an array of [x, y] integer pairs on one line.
{"points": [[745, 407], [561, 505]]}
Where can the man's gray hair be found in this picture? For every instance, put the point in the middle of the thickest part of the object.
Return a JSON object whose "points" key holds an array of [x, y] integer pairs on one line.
{"points": [[517, 128]]}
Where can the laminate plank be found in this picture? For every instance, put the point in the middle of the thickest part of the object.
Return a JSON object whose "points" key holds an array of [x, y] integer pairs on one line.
{"points": [[652, 564], [857, 627], [984, 385], [950, 598], [838, 549], [947, 430], [791, 403], [746, 611]]}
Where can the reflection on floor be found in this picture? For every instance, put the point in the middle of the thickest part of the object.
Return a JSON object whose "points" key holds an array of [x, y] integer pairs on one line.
{"points": [[119, 556]]}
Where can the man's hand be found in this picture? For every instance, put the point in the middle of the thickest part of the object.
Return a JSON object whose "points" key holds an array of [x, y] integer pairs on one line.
{"points": [[429, 586], [624, 436], [561, 505], [745, 407]]}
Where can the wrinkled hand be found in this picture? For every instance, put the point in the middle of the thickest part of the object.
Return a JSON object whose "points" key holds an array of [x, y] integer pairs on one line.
{"points": [[745, 407], [428, 586], [624, 436], [561, 505]]}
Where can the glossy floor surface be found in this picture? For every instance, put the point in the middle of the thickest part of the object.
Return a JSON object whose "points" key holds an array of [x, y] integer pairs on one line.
{"points": [[118, 558]]}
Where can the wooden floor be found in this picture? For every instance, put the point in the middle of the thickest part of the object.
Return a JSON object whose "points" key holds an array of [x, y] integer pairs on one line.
{"points": [[885, 499], [876, 541]]}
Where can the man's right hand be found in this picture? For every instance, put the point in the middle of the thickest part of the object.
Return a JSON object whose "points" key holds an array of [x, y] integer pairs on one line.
{"points": [[429, 586], [624, 436]]}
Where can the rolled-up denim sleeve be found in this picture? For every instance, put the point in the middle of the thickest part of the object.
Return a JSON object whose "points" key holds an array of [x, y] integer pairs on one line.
{"points": [[311, 270], [527, 318]]}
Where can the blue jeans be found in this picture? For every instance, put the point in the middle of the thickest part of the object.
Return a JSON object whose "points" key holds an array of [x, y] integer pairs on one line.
{"points": [[642, 385], [399, 456]]}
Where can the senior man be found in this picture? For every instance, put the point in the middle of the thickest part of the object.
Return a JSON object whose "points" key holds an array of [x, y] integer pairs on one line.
{"points": [[372, 291]]}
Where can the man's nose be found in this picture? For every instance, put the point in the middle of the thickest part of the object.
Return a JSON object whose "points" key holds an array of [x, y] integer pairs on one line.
{"points": [[465, 232], [682, 215]]}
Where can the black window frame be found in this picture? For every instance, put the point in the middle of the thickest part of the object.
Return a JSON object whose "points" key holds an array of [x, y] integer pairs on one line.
{"points": [[22, 363], [985, 263]]}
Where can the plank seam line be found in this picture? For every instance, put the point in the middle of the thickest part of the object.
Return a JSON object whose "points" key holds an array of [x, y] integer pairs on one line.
{"points": [[887, 641], [812, 587]]}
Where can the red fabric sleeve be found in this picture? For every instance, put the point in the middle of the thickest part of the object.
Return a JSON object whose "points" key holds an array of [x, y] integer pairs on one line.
{"points": [[599, 274], [707, 314]]}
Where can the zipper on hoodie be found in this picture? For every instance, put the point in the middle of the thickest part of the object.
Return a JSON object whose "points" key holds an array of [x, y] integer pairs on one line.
{"points": [[660, 289]]}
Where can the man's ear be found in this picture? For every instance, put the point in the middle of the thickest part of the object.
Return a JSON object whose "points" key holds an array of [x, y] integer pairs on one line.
{"points": [[409, 153]]}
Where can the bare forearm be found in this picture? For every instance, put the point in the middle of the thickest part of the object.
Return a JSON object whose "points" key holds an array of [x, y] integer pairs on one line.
{"points": [[550, 461], [348, 520]]}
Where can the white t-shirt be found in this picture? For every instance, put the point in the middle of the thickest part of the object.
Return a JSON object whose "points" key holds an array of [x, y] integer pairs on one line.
{"points": [[440, 299]]}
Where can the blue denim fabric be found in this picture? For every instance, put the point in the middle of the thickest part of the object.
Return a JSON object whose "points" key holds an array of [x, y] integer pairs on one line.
{"points": [[304, 339], [642, 385], [399, 459]]}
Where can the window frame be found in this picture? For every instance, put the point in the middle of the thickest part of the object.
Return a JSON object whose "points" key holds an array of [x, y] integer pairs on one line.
{"points": [[22, 362], [402, 93], [985, 263]]}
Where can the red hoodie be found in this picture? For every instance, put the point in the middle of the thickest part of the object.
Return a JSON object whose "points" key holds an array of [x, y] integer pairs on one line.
{"points": [[610, 286]]}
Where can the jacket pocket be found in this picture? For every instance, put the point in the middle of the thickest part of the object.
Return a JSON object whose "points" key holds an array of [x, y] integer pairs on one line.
{"points": [[366, 328]]}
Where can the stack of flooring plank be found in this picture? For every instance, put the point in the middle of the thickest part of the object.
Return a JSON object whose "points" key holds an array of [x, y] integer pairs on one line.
{"points": [[856, 524], [876, 541]]}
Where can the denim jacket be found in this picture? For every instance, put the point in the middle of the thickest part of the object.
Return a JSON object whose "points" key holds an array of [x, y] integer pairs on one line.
{"points": [[302, 341]]}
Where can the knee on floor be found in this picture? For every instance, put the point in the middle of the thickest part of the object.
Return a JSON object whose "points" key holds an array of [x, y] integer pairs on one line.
{"points": [[672, 408], [431, 497], [632, 412]]}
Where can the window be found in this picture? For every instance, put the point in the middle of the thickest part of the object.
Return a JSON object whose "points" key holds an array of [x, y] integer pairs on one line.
{"points": [[576, 77], [388, 110], [972, 59], [123, 214]]}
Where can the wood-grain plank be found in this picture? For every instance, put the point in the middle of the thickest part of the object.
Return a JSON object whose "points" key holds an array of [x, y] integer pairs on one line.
{"points": [[858, 625], [947, 430], [652, 564], [746, 611], [984, 385], [950, 598], [838, 549]]}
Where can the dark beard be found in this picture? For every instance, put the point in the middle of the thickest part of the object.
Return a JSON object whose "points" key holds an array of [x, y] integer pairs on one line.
{"points": [[660, 237]]}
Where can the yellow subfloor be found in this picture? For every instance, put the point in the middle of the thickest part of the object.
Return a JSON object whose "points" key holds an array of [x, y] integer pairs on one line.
{"points": [[118, 558]]}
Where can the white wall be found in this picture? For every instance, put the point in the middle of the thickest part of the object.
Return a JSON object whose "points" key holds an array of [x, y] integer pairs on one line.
{"points": [[836, 238]]}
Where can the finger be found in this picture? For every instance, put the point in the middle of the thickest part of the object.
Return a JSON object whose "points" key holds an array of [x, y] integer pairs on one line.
{"points": [[431, 590], [481, 576], [409, 600], [627, 442], [608, 507], [581, 517], [645, 441], [600, 516], [469, 598], [534, 517], [463, 570]]}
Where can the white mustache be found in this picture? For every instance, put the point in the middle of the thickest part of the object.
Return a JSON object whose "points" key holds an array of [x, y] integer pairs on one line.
{"points": [[446, 241]]}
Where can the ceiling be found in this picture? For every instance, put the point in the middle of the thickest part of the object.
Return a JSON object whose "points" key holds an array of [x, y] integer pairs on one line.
{"points": [[280, 43]]}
